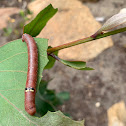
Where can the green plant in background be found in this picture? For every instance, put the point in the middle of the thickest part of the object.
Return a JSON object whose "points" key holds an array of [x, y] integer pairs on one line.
{"points": [[13, 73], [23, 14], [7, 31], [48, 100]]}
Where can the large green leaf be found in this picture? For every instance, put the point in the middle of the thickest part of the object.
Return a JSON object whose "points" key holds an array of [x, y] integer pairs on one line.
{"points": [[14, 62], [13, 73], [39, 22]]}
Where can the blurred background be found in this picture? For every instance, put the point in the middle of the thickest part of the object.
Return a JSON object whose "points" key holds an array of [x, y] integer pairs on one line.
{"points": [[96, 96]]}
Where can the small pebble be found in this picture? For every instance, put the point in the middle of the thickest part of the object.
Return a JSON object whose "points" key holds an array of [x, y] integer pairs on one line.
{"points": [[97, 104]]}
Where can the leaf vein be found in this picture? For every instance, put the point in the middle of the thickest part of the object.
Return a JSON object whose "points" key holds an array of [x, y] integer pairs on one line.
{"points": [[18, 109], [12, 56]]}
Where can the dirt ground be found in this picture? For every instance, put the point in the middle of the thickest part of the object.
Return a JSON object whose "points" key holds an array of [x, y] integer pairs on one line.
{"points": [[92, 92]]}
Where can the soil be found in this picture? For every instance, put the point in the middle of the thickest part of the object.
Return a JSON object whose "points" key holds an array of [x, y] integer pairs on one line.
{"points": [[92, 92]]}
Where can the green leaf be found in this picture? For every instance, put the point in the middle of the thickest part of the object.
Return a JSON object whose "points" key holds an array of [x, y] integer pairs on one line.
{"points": [[51, 62], [43, 86], [63, 95], [59, 119], [87, 68], [48, 100], [80, 65], [36, 25], [14, 61], [44, 103], [13, 74], [43, 99]]}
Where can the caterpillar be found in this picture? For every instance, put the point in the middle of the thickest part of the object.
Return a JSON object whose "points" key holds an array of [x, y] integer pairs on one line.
{"points": [[30, 89]]}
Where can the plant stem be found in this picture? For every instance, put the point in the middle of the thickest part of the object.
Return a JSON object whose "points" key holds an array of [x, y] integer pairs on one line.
{"points": [[54, 56], [80, 41], [69, 44]]}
